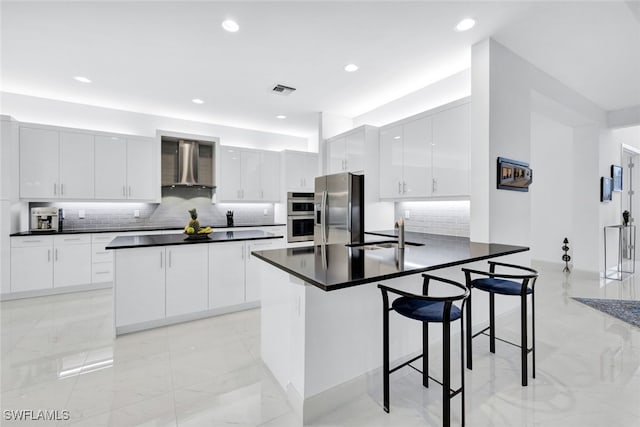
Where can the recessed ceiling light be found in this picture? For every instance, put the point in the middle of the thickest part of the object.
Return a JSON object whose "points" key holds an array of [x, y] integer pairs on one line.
{"points": [[350, 68], [230, 25], [465, 24], [197, 101], [82, 79], [396, 137], [281, 116]]}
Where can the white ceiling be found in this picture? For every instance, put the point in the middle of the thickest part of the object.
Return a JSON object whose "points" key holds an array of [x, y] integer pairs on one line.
{"points": [[155, 57]]}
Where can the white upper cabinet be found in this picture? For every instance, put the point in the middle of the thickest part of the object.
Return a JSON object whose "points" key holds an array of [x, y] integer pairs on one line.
{"points": [[426, 155], [251, 187], [300, 170], [336, 155], [346, 152], [58, 163], [110, 168], [55, 165], [248, 175], [76, 166], [391, 161], [451, 152], [141, 184], [39, 166], [124, 168], [270, 176], [417, 158]]}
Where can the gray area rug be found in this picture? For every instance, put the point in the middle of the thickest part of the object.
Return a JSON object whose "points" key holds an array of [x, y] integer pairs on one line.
{"points": [[627, 311]]}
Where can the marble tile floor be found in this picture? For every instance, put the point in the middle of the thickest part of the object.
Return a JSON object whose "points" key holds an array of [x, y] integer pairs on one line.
{"points": [[58, 353]]}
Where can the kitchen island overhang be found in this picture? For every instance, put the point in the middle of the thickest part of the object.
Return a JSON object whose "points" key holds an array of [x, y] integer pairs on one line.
{"points": [[321, 313]]}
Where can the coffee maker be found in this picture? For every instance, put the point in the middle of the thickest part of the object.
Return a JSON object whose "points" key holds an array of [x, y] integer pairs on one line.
{"points": [[46, 219]]}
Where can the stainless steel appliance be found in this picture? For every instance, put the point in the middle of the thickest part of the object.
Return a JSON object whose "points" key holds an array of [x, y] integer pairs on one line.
{"points": [[45, 219], [187, 163], [300, 207], [339, 209]]}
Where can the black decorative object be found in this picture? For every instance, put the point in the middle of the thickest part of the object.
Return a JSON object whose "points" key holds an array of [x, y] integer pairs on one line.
{"points": [[229, 218], [616, 175], [625, 218], [513, 175], [566, 257], [605, 189]]}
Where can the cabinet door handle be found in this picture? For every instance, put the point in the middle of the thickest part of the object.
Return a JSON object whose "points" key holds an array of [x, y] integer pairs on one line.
{"points": [[72, 239], [242, 252], [129, 191], [124, 191], [434, 185], [262, 194], [48, 255], [160, 260], [102, 272], [399, 187], [56, 255], [102, 252], [32, 241], [169, 259], [55, 189], [404, 187]]}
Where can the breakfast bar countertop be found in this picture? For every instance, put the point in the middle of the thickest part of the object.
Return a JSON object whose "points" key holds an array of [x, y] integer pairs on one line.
{"points": [[337, 266]]}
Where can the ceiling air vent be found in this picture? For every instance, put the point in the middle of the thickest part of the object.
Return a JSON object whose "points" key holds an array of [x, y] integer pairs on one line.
{"points": [[283, 90]]}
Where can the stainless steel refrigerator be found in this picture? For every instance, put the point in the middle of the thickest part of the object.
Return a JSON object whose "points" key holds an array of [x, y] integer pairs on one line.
{"points": [[339, 209]]}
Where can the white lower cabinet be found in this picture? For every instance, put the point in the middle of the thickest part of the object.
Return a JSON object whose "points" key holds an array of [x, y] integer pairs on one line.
{"points": [[45, 262], [140, 289], [187, 277], [226, 274], [71, 260], [31, 263], [253, 266]]}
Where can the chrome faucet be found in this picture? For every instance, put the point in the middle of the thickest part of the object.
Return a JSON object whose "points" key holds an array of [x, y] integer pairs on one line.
{"points": [[400, 227]]}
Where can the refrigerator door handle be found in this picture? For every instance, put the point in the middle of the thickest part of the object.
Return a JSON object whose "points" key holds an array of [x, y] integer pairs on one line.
{"points": [[324, 224], [349, 217]]}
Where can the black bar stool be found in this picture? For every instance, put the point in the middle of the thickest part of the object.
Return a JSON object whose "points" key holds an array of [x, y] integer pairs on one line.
{"points": [[520, 285], [427, 309]]}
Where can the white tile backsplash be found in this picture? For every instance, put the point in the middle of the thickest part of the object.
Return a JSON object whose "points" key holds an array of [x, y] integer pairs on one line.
{"points": [[448, 217]]}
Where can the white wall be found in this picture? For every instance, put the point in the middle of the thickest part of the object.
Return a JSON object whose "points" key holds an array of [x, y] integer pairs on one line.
{"points": [[628, 136], [506, 103], [551, 196], [59, 113], [439, 93]]}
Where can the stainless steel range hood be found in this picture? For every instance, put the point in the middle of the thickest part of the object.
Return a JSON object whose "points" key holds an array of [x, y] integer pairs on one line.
{"points": [[187, 163]]}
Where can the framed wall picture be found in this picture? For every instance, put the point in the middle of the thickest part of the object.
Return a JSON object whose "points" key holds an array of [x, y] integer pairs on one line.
{"points": [[606, 188], [513, 175], [616, 175]]}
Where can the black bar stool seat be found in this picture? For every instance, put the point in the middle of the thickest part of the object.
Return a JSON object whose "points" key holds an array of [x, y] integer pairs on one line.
{"points": [[499, 286], [424, 311]]}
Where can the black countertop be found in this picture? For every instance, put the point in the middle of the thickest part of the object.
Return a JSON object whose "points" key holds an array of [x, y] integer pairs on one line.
{"points": [[130, 229], [129, 242], [338, 266]]}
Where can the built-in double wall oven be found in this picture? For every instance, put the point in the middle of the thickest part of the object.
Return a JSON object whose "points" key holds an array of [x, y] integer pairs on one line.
{"points": [[300, 210]]}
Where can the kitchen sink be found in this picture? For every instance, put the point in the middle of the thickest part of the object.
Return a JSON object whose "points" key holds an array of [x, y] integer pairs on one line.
{"points": [[385, 244]]}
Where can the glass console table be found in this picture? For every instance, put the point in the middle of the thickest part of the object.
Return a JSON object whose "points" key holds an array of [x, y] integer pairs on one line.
{"points": [[626, 251]]}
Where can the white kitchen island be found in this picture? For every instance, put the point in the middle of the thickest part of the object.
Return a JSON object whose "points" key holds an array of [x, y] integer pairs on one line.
{"points": [[321, 316]]}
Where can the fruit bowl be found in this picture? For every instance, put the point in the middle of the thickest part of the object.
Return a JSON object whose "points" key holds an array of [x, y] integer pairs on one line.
{"points": [[197, 236]]}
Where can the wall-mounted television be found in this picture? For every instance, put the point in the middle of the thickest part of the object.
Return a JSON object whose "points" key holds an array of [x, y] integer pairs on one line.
{"points": [[514, 175]]}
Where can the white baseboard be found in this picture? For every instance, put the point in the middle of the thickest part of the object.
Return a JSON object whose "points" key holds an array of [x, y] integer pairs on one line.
{"points": [[55, 291], [136, 327]]}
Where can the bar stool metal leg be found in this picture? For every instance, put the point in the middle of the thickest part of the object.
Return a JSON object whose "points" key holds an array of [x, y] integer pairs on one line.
{"points": [[524, 346], [385, 351], [533, 332], [462, 366], [492, 322], [468, 325], [446, 373], [425, 354]]}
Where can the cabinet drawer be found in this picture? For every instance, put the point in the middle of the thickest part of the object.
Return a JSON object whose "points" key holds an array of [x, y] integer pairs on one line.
{"points": [[72, 239], [102, 272], [31, 241], [103, 238], [99, 254]]}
